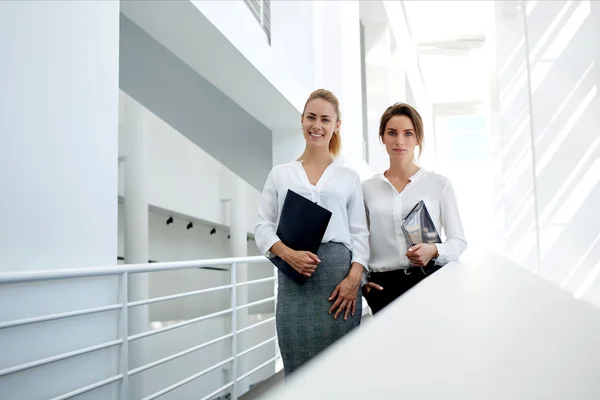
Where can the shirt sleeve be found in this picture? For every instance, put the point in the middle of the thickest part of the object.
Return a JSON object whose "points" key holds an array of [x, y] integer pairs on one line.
{"points": [[357, 223], [265, 234], [455, 243]]}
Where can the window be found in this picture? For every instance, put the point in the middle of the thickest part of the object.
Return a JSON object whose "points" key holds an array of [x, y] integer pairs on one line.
{"points": [[262, 12]]}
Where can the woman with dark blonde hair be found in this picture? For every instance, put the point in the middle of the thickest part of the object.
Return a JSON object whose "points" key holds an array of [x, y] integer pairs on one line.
{"points": [[395, 266], [312, 316]]}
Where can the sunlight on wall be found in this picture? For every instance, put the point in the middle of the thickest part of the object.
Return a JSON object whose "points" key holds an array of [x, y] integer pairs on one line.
{"points": [[464, 156]]}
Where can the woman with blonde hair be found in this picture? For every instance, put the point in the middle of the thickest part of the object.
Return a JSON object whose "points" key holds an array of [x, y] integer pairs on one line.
{"points": [[313, 315]]}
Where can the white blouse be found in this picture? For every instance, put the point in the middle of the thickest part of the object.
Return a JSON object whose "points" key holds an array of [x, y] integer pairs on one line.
{"points": [[386, 209], [338, 190]]}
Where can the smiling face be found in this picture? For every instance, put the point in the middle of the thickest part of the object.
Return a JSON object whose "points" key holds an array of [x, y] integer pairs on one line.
{"points": [[399, 137], [319, 122]]}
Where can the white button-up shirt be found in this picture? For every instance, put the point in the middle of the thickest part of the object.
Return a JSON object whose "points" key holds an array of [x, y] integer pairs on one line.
{"points": [[338, 190], [387, 208]]}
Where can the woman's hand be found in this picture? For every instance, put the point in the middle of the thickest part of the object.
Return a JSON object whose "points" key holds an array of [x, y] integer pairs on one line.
{"points": [[304, 262], [370, 285], [420, 254], [346, 293]]}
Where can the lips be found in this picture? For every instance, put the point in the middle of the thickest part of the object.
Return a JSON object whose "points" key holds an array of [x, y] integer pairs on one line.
{"points": [[316, 135], [400, 150]]}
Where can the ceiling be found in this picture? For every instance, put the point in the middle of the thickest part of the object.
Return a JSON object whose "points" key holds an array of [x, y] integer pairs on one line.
{"points": [[450, 35]]}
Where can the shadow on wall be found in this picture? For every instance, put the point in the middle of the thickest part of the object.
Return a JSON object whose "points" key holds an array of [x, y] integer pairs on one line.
{"points": [[564, 47]]}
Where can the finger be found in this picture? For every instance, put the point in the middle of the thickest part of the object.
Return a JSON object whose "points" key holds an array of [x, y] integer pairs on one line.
{"points": [[335, 293], [308, 261], [374, 285], [348, 309], [313, 257], [335, 305], [310, 267], [415, 247], [339, 310], [353, 308]]}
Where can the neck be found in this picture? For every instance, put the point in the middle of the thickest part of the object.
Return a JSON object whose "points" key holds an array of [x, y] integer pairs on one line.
{"points": [[316, 156], [402, 168]]}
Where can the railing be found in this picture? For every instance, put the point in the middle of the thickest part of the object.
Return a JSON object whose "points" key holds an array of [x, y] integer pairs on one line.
{"points": [[124, 272], [261, 9]]}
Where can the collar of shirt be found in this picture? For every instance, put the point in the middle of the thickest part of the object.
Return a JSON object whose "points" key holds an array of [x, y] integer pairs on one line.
{"points": [[415, 177]]}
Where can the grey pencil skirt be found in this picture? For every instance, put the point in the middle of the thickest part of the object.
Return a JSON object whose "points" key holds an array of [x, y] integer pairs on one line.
{"points": [[304, 326]]}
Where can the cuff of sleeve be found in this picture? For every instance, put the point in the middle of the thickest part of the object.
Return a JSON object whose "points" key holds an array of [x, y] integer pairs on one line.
{"points": [[361, 262], [270, 244], [441, 248]]}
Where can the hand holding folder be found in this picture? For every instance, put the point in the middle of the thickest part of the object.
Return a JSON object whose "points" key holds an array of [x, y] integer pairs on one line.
{"points": [[302, 225], [418, 227]]}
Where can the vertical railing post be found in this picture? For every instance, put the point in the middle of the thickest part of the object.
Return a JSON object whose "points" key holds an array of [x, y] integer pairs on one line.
{"points": [[262, 13], [234, 366], [124, 334]]}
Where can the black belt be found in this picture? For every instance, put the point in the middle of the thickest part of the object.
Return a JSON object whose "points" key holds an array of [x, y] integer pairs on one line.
{"points": [[427, 270]]}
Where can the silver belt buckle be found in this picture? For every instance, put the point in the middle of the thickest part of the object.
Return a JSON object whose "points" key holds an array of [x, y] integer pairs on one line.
{"points": [[407, 271]]}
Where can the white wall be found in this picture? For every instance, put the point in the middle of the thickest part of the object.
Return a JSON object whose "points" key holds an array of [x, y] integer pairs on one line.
{"points": [[237, 23], [184, 179], [58, 166], [293, 37], [560, 132]]}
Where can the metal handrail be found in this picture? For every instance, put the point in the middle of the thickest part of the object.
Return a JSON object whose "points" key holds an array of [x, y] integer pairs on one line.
{"points": [[33, 276], [177, 355], [123, 305], [54, 317], [179, 325], [59, 357], [178, 296]]}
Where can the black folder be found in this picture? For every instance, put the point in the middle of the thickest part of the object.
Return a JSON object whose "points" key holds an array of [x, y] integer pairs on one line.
{"points": [[418, 227], [302, 225]]}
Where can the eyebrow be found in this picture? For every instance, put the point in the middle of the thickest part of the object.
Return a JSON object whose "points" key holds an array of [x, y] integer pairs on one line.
{"points": [[314, 115], [406, 130]]}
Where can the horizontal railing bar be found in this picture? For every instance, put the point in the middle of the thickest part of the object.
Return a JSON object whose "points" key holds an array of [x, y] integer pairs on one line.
{"points": [[211, 395], [243, 353], [52, 317], [177, 296], [187, 380], [33, 276], [180, 354], [256, 281], [247, 374], [179, 325], [255, 303], [60, 357], [266, 321], [89, 388]]}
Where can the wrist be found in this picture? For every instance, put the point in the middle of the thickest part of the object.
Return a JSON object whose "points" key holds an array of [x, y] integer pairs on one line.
{"points": [[356, 272], [435, 252], [285, 256]]}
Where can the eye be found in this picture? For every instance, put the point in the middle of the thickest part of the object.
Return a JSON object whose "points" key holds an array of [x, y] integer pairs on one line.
{"points": [[408, 133], [310, 117], [326, 120], [392, 133]]}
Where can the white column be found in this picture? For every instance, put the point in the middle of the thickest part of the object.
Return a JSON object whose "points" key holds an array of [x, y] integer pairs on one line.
{"points": [[238, 246], [136, 207], [134, 131]]}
